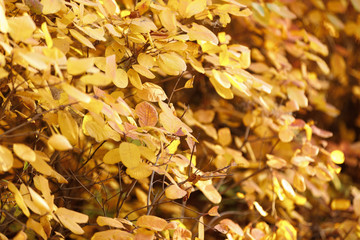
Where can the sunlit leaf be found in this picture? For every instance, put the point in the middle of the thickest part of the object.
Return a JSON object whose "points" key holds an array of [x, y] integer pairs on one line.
{"points": [[121, 79], [141, 171], [6, 159], [174, 192], [151, 92], [37, 227], [81, 38], [106, 221], [287, 187], [59, 142], [68, 126], [275, 162], [129, 154], [260, 209], [209, 191], [97, 79], [19, 199], [77, 66], [152, 222], [114, 234], [70, 219], [21, 28], [112, 156], [337, 157], [39, 202], [214, 211], [135, 79]]}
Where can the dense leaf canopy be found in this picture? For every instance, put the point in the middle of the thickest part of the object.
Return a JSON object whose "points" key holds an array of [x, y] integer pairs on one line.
{"points": [[179, 119]]}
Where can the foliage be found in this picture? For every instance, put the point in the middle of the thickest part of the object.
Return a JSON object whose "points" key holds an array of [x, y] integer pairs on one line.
{"points": [[175, 119]]}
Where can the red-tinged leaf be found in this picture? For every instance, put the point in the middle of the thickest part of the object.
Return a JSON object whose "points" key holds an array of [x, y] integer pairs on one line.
{"points": [[147, 113], [320, 132]]}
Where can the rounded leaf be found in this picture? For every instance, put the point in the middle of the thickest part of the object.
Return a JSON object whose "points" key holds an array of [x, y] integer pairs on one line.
{"points": [[59, 142], [152, 222], [6, 159]]}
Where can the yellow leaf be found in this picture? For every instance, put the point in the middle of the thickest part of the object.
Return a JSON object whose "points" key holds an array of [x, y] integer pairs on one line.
{"points": [[21, 28], [340, 204], [174, 192], [195, 7], [37, 227], [106, 221], [224, 136], [173, 146], [168, 20], [286, 134], [301, 161], [59, 142], [36, 60], [70, 219], [260, 209], [95, 33], [275, 162], [210, 192], [97, 79], [143, 71], [114, 234], [129, 154], [51, 6], [287, 187], [19, 236], [299, 182], [81, 38], [225, 93], [24, 152], [146, 60], [147, 153], [297, 95], [19, 199], [75, 93], [121, 79], [4, 26], [337, 157], [152, 222], [199, 32], [68, 126], [39, 202], [6, 159], [151, 92], [286, 230], [221, 78], [77, 66], [135, 79], [201, 230], [48, 39], [195, 63], [141, 171], [112, 156], [171, 63]]}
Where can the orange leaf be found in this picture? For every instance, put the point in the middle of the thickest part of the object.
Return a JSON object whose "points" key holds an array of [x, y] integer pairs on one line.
{"points": [[152, 222], [147, 113]]}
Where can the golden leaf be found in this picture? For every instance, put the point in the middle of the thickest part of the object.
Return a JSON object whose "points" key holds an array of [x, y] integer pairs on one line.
{"points": [[168, 20], [19, 199], [4, 26], [299, 182], [146, 60], [286, 230], [171, 63], [147, 113], [301, 161], [112, 156], [121, 79], [48, 39], [337, 156], [70, 219], [141, 171], [81, 38], [106, 221], [114, 234], [77, 66], [24, 152], [195, 7], [151, 92], [19, 236], [59, 142], [225, 93], [21, 28], [51, 6], [97, 79], [152, 222], [286, 134], [6, 159], [340, 204], [260, 209], [143, 71], [209, 191], [198, 32], [135, 79], [224, 136], [37, 227], [297, 95], [275, 162], [68, 126], [129, 154], [75, 93], [174, 192], [287, 187], [39, 202]]}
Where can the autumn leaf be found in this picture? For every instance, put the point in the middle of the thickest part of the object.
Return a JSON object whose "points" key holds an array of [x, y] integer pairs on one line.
{"points": [[148, 115]]}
